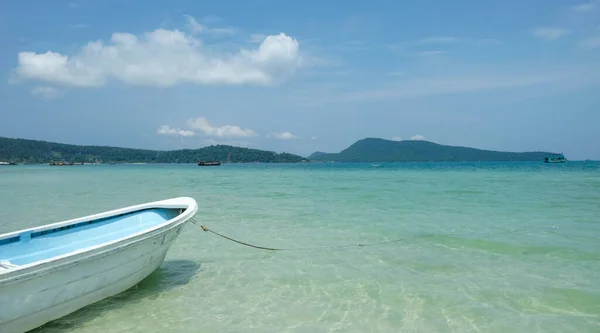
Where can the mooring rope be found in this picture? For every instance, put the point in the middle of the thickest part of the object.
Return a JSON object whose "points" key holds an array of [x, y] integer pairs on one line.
{"points": [[206, 229], [233, 240]]}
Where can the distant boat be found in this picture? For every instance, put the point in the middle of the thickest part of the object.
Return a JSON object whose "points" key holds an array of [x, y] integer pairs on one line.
{"points": [[202, 163], [61, 163], [65, 163], [558, 158], [50, 271]]}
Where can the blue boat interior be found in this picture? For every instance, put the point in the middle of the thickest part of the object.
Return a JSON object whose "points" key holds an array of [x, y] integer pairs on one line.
{"points": [[29, 247]]}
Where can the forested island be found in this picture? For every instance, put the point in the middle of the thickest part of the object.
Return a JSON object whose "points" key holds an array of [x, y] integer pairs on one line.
{"points": [[380, 150], [26, 151]]}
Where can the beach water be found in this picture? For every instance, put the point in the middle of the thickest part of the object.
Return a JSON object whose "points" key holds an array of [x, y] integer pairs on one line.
{"points": [[446, 247]]}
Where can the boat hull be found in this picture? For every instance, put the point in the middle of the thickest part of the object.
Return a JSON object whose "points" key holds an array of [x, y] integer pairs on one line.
{"points": [[58, 289]]}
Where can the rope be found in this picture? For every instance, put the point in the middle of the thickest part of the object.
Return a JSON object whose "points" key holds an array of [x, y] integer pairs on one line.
{"points": [[233, 240], [206, 229]]}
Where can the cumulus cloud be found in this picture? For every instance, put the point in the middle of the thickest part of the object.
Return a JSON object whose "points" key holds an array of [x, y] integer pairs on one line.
{"points": [[56, 68], [396, 138], [46, 92], [227, 131], [417, 137], [166, 130], [163, 58], [283, 136], [549, 33]]}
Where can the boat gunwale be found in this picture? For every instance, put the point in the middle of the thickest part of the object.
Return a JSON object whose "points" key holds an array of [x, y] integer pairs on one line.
{"points": [[28, 270]]}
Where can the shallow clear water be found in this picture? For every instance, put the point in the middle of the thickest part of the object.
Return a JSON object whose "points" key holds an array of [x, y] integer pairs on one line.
{"points": [[464, 247]]}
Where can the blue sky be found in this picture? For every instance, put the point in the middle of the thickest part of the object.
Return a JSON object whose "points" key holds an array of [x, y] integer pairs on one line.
{"points": [[303, 76]]}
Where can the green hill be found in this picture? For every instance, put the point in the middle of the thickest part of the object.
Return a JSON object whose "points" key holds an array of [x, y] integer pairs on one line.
{"points": [[380, 150], [33, 151]]}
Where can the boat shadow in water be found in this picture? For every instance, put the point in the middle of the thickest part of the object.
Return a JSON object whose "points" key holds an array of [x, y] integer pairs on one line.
{"points": [[169, 275]]}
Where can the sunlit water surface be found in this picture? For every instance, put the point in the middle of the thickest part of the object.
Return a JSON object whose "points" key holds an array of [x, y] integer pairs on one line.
{"points": [[464, 247]]}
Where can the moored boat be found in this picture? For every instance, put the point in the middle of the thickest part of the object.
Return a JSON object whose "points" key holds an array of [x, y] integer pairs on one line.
{"points": [[557, 158], [203, 163], [50, 271], [60, 163]]}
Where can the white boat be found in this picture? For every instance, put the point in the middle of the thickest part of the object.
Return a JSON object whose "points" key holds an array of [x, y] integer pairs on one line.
{"points": [[50, 271]]}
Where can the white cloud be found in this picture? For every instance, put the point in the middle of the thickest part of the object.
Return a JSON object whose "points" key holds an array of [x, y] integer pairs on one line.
{"points": [[417, 137], [163, 58], [227, 131], [549, 33], [193, 26], [448, 85], [586, 7], [56, 68], [46, 92], [166, 130], [283, 136], [313, 138], [591, 43], [396, 138]]}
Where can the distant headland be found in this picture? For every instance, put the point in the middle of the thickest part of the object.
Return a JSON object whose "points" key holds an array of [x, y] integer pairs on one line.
{"points": [[24, 151], [380, 150]]}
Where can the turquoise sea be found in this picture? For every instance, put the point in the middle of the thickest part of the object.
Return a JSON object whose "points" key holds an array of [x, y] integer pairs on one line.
{"points": [[447, 247]]}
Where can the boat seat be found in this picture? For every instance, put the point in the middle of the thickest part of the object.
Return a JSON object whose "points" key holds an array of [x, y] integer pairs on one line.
{"points": [[5, 264]]}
